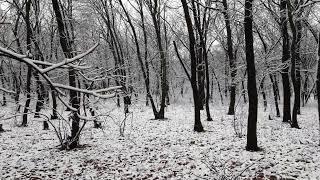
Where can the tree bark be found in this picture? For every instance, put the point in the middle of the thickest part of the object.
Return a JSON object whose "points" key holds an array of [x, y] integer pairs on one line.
{"points": [[294, 60], [231, 58], [163, 72], [252, 86], [285, 58], [275, 94], [193, 79], [66, 44], [29, 73], [318, 81]]}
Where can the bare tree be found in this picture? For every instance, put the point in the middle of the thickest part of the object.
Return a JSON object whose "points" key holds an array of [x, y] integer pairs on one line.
{"points": [[194, 64]]}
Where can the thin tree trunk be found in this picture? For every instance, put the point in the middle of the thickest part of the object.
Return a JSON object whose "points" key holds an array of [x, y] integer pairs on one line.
{"points": [[318, 82], [139, 57], [243, 92], [4, 99], [275, 95], [264, 96], [54, 105], [219, 87]]}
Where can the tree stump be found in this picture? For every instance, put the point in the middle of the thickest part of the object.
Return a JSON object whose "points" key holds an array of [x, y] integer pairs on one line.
{"points": [[1, 129], [45, 125]]}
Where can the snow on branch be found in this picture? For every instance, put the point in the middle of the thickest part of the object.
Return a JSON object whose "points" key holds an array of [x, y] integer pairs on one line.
{"points": [[68, 61], [28, 61], [6, 90], [91, 92], [64, 66], [56, 86]]}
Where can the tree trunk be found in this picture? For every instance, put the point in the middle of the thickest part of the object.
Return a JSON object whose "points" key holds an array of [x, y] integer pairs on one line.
{"points": [[40, 94], [305, 89], [219, 87], [243, 92], [252, 86], [66, 45], [231, 58], [4, 99], [318, 81], [54, 105], [193, 79], [29, 73], [275, 94], [263, 92], [139, 57], [294, 60], [285, 58], [163, 59]]}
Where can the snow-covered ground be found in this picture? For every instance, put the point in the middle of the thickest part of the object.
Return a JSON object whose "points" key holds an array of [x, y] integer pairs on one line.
{"points": [[165, 149]]}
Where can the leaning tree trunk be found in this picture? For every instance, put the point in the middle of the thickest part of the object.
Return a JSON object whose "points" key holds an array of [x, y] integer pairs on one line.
{"points": [[139, 57], [252, 86]]}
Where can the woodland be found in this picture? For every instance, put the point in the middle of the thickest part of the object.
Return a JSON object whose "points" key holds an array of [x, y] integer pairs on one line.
{"points": [[159, 89]]}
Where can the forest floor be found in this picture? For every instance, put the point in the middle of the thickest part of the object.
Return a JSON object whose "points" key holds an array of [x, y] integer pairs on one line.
{"points": [[165, 149]]}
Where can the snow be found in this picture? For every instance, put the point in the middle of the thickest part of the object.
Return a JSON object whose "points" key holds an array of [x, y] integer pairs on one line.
{"points": [[164, 149]]}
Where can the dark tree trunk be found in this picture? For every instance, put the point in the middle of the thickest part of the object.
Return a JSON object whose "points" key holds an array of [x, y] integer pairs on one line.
{"points": [[277, 86], [294, 62], [163, 73], [45, 125], [54, 105], [285, 58], [318, 79], [193, 79], [275, 94], [202, 55], [40, 92], [264, 96], [39, 56], [219, 87], [29, 73], [231, 58], [298, 68], [243, 92], [4, 99], [66, 44], [16, 79], [252, 86], [141, 63], [305, 89]]}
